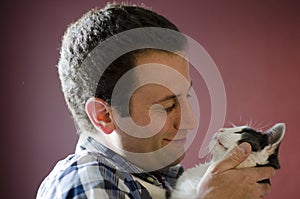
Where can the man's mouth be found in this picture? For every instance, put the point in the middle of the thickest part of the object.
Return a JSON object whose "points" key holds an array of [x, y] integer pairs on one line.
{"points": [[177, 141]]}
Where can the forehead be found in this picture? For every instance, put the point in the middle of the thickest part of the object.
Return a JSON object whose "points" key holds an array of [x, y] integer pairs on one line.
{"points": [[176, 61], [161, 73]]}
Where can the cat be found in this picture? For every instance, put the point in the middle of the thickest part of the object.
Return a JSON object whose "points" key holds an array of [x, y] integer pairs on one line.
{"points": [[265, 148]]}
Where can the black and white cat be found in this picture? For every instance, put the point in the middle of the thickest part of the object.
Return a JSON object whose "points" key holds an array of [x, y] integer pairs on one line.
{"points": [[265, 148]]}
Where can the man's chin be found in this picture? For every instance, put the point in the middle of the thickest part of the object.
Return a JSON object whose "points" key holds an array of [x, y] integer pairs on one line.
{"points": [[177, 161]]}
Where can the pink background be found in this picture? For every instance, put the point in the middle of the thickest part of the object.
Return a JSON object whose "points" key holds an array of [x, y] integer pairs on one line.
{"points": [[255, 45]]}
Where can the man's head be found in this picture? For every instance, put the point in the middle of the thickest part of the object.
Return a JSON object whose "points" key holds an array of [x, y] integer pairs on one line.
{"points": [[98, 51], [160, 115], [80, 80]]}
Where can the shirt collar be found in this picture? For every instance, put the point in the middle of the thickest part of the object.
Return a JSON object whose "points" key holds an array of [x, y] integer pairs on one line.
{"points": [[89, 144]]}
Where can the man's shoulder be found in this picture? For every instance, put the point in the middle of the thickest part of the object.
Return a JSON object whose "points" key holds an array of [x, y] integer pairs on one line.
{"points": [[87, 165], [81, 173], [76, 163]]}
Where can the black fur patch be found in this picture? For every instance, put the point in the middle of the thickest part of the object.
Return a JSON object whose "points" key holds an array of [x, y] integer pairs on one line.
{"points": [[258, 142]]}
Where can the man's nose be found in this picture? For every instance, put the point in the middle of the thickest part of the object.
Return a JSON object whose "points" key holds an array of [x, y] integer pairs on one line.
{"points": [[188, 118]]}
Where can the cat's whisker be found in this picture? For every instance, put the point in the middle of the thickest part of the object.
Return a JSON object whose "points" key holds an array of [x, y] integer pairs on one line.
{"points": [[254, 124], [232, 124], [249, 123], [264, 127], [208, 158], [260, 127]]}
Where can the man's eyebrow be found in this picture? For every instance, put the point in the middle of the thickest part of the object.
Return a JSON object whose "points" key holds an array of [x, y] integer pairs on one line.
{"points": [[169, 97]]}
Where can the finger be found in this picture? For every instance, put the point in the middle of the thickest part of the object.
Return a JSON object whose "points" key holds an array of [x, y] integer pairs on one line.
{"points": [[255, 174], [235, 157], [263, 189], [254, 191], [265, 173]]}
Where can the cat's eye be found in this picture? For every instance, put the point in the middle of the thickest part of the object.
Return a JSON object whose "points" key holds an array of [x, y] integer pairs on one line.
{"points": [[239, 132]]}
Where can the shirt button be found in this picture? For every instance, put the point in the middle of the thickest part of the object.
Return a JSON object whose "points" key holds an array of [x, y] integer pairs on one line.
{"points": [[150, 179]]}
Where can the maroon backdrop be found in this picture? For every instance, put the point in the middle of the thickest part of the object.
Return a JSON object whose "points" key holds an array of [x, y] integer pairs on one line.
{"points": [[255, 45]]}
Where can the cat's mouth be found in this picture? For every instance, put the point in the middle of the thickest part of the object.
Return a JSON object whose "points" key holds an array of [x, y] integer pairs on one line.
{"points": [[220, 143]]}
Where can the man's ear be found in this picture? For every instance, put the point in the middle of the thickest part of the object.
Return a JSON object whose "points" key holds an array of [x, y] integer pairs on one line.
{"points": [[100, 114]]}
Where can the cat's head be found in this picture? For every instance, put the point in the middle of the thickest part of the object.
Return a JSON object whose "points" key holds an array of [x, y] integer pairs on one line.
{"points": [[265, 145]]}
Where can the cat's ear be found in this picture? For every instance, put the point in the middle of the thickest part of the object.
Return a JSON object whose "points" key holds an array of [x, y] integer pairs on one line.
{"points": [[276, 134]]}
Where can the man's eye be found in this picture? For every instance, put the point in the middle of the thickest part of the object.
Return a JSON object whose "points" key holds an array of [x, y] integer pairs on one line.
{"points": [[170, 108]]}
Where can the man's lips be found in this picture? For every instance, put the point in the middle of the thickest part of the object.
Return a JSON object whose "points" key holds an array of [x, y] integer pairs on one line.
{"points": [[177, 141]]}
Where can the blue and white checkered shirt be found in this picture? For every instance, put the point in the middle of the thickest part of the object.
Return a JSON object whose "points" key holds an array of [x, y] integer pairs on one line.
{"points": [[94, 172]]}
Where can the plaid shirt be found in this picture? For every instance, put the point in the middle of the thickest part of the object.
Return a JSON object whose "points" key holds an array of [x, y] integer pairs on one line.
{"points": [[94, 172]]}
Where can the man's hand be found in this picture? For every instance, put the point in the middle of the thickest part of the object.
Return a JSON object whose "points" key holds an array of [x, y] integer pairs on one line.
{"points": [[223, 180]]}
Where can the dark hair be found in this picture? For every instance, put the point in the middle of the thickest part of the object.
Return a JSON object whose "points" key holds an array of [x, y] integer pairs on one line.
{"points": [[85, 35]]}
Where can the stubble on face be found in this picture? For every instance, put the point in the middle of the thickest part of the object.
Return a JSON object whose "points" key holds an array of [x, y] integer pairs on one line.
{"points": [[144, 100]]}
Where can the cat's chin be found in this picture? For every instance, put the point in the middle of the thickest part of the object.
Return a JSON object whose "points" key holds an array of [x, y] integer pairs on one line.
{"points": [[221, 146], [216, 145]]}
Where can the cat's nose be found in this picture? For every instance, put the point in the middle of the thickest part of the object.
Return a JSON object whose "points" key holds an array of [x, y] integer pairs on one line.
{"points": [[221, 130]]}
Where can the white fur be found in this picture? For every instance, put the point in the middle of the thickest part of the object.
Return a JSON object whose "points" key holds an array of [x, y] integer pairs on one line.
{"points": [[222, 143]]}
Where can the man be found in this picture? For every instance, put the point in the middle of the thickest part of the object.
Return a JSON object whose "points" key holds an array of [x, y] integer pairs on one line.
{"points": [[132, 134]]}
